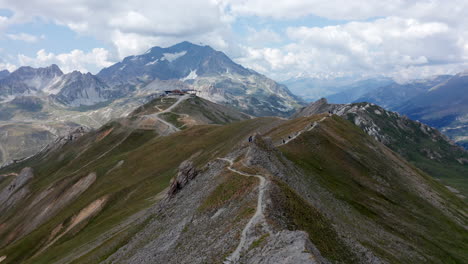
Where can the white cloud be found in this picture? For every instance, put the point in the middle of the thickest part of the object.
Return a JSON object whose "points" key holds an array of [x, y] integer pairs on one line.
{"points": [[386, 45], [7, 66], [25, 37], [131, 26], [75, 60], [452, 10], [262, 37], [407, 36]]}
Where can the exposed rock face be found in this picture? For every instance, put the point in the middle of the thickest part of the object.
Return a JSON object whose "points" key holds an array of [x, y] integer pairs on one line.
{"points": [[187, 172], [76, 89]]}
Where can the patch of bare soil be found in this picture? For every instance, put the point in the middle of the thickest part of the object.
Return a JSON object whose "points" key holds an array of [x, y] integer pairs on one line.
{"points": [[104, 134], [85, 214]]}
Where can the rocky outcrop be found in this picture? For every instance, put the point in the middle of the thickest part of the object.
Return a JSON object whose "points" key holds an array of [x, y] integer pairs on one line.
{"points": [[187, 172]]}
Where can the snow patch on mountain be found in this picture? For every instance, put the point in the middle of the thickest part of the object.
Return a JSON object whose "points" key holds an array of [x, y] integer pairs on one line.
{"points": [[173, 56], [152, 62], [191, 76]]}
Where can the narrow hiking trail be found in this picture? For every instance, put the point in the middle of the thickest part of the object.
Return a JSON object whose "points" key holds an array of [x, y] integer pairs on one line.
{"points": [[169, 109], [302, 131], [256, 218]]}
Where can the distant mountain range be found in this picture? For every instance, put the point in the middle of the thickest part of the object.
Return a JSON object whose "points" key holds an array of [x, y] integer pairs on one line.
{"points": [[393, 94], [444, 106], [440, 101]]}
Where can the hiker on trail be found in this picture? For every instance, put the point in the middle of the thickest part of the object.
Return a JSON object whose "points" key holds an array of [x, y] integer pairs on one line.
{"points": [[250, 139], [289, 137], [284, 141]]}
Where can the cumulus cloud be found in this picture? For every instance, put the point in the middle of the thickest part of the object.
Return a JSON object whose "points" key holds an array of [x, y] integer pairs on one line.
{"points": [[75, 60], [384, 46], [7, 66], [262, 37], [131, 26], [352, 10]]}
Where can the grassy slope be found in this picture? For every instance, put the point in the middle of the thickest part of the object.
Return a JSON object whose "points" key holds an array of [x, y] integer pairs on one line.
{"points": [[149, 163], [208, 112], [300, 215], [342, 158]]}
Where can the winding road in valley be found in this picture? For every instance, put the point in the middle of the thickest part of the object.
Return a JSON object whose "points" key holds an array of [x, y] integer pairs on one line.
{"points": [[256, 218]]}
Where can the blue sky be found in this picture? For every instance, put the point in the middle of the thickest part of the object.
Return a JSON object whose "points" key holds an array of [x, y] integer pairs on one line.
{"points": [[284, 39]]}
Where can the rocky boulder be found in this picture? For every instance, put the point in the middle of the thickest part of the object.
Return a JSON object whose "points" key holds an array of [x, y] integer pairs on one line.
{"points": [[187, 172]]}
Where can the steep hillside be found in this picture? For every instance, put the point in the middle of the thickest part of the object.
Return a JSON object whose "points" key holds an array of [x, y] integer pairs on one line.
{"points": [[420, 144], [267, 190]]}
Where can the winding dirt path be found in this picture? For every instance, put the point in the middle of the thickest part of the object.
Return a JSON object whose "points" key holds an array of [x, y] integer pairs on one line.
{"points": [[302, 131], [256, 218], [169, 109]]}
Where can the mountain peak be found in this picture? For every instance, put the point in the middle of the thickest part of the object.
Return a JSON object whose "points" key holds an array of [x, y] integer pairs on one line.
{"points": [[185, 44], [54, 67]]}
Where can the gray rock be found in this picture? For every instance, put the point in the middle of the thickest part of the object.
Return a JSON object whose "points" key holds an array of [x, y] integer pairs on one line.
{"points": [[187, 172]]}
